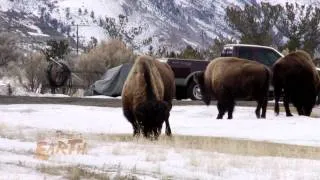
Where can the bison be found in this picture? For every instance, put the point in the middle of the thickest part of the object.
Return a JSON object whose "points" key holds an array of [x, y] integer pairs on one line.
{"points": [[58, 75], [295, 77], [147, 96], [228, 78]]}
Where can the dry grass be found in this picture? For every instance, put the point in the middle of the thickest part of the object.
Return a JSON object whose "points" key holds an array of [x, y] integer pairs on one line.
{"points": [[223, 145], [3, 128], [73, 172]]}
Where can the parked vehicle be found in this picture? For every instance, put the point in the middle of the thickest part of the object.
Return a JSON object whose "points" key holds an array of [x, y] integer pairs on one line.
{"points": [[184, 69], [263, 54]]}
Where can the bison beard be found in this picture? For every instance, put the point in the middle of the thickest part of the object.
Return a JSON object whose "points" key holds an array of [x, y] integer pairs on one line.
{"points": [[150, 116]]}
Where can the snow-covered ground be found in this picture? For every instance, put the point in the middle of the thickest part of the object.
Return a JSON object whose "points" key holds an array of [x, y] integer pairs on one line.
{"points": [[22, 125], [184, 120]]}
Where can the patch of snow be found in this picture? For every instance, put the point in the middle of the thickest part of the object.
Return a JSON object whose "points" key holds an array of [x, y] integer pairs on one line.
{"points": [[184, 120], [150, 160], [38, 34], [193, 44]]}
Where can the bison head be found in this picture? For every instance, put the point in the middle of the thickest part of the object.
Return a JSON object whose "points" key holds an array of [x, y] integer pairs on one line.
{"points": [[150, 116], [199, 79]]}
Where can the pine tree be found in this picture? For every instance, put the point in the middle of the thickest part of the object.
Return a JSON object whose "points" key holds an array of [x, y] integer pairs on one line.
{"points": [[254, 23]]}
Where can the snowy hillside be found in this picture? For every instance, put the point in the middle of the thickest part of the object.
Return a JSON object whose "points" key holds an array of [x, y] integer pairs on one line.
{"points": [[172, 24]]}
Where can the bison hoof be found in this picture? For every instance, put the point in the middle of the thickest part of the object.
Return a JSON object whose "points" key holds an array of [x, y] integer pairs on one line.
{"points": [[219, 116], [288, 115]]}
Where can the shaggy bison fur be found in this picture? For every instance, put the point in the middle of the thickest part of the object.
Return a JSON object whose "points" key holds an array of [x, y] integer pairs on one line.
{"points": [[58, 75], [228, 78], [147, 96], [295, 75]]}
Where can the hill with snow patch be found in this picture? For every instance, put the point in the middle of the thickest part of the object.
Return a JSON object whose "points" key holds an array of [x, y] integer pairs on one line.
{"points": [[171, 24]]}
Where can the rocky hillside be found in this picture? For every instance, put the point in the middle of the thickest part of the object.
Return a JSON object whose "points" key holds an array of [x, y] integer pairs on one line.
{"points": [[155, 23]]}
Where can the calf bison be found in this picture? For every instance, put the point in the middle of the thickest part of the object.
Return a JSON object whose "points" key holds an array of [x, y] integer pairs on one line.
{"points": [[147, 96], [228, 78], [295, 75]]}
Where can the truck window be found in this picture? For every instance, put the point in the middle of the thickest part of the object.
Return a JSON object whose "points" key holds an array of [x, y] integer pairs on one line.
{"points": [[245, 53], [227, 52], [266, 56]]}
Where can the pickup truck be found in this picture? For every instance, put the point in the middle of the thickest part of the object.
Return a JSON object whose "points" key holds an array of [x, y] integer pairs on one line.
{"points": [[184, 69]]}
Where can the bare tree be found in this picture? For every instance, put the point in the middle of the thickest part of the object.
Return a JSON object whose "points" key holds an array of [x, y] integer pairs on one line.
{"points": [[9, 50], [93, 64], [35, 71], [118, 29]]}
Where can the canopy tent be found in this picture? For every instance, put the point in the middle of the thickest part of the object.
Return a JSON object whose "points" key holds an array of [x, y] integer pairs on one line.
{"points": [[111, 82]]}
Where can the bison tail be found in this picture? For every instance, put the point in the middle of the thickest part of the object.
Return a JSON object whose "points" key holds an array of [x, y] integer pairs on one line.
{"points": [[149, 88], [268, 78]]}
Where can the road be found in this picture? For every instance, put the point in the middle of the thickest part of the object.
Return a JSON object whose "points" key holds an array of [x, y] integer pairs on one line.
{"points": [[101, 102], [105, 102]]}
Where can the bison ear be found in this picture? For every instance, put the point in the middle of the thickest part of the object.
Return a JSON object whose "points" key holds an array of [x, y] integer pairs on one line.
{"points": [[198, 77]]}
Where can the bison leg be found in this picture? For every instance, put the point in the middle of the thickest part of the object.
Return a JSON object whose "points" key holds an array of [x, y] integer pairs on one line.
{"points": [[276, 107], [53, 90], [230, 109], [221, 109], [286, 104], [306, 109], [168, 129], [136, 128], [264, 107], [277, 94], [64, 90], [258, 109], [300, 110], [129, 115], [262, 104]]}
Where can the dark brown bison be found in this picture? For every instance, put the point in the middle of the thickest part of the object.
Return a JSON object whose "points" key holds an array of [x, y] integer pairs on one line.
{"points": [[58, 75], [317, 63], [228, 78], [295, 75], [147, 96]]}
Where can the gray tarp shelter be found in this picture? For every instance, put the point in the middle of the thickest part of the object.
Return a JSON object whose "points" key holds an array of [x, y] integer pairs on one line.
{"points": [[111, 82]]}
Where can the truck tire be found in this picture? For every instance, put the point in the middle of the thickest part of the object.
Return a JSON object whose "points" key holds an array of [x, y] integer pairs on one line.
{"points": [[193, 91]]}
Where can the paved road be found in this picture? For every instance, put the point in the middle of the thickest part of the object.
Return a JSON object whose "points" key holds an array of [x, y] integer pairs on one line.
{"points": [[102, 102]]}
